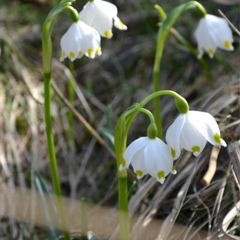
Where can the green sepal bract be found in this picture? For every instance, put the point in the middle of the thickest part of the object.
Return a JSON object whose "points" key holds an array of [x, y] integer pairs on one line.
{"points": [[181, 104]]}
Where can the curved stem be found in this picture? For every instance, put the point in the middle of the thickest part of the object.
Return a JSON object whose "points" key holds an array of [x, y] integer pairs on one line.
{"points": [[148, 113], [163, 34], [122, 128], [181, 103], [47, 70], [161, 12]]}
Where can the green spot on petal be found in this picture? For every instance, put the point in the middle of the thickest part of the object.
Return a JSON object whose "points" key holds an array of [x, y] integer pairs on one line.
{"points": [[90, 53], [139, 174], [228, 45], [211, 53], [161, 175], [174, 171], [108, 34], [63, 55], [196, 149], [217, 138], [99, 51], [72, 55], [173, 152], [123, 26]]}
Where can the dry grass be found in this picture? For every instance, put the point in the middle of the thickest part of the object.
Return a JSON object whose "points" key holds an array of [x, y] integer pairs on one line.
{"points": [[187, 206]]}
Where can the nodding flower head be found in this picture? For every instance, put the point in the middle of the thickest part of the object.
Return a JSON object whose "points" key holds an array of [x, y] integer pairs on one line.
{"points": [[79, 40], [191, 131], [101, 15], [149, 156], [213, 32]]}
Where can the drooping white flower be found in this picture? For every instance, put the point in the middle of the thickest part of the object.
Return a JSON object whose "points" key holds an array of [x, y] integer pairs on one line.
{"points": [[149, 156], [101, 15], [213, 32], [79, 40], [191, 131]]}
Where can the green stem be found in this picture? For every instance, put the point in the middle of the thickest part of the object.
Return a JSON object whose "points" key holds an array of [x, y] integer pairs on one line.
{"points": [[124, 222], [51, 147], [163, 34], [148, 113], [161, 12], [52, 152], [71, 95], [47, 70], [120, 145], [180, 102], [156, 86], [122, 128]]}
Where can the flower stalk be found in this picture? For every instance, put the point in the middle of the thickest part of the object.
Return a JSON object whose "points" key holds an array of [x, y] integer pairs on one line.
{"points": [[120, 146], [47, 70], [122, 128], [49, 131], [163, 33]]}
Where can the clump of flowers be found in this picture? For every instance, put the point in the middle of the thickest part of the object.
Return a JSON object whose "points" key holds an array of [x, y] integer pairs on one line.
{"points": [[83, 36], [191, 130]]}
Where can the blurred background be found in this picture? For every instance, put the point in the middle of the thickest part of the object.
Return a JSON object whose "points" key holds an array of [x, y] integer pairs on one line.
{"points": [[187, 206]]}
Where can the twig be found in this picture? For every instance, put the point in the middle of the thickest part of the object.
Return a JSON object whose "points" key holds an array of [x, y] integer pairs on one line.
{"points": [[231, 25], [234, 154]]}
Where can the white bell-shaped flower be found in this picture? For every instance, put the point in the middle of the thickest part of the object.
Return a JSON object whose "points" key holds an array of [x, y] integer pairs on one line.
{"points": [[79, 40], [191, 131], [101, 15], [149, 156], [213, 32]]}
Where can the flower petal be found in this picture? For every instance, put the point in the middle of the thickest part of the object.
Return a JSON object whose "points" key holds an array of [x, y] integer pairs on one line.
{"points": [[133, 148], [138, 164], [100, 15], [191, 139], [209, 35], [119, 24], [69, 43], [151, 156], [205, 38], [158, 158], [219, 26], [87, 14], [173, 135], [207, 126], [78, 40], [102, 22]]}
